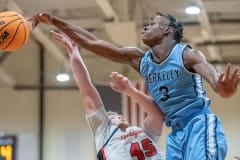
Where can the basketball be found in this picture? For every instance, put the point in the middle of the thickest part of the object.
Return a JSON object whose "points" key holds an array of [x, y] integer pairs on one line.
{"points": [[14, 31]]}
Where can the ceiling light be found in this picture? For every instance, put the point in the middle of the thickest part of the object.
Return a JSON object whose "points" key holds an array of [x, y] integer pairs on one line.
{"points": [[192, 10], [62, 77]]}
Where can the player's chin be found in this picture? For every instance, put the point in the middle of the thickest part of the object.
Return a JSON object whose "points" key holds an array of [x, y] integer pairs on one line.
{"points": [[145, 40], [123, 125]]}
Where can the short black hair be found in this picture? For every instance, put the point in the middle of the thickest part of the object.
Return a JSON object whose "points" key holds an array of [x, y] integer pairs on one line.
{"points": [[177, 25]]}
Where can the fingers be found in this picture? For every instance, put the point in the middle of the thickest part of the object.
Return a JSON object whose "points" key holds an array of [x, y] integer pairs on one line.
{"points": [[34, 23], [41, 14], [235, 73], [34, 20], [114, 87], [57, 35], [40, 17], [236, 77], [221, 77], [60, 36], [237, 82], [115, 75], [233, 78], [118, 78], [55, 32], [227, 72]]}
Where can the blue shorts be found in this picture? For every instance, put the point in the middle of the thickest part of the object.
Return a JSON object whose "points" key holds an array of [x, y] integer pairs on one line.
{"points": [[202, 138]]}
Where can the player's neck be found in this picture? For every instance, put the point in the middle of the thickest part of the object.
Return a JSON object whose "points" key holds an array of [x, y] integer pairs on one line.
{"points": [[162, 50]]}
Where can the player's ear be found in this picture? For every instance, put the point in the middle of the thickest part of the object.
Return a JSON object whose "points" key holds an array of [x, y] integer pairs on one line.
{"points": [[166, 29]]}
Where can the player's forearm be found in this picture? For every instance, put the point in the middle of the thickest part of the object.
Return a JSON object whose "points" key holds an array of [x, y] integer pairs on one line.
{"points": [[80, 71], [212, 76], [91, 98], [144, 100], [154, 116], [208, 72], [88, 41], [78, 34]]}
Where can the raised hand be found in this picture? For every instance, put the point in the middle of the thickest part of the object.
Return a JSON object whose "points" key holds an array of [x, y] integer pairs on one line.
{"points": [[120, 83], [41, 18], [228, 82], [65, 40]]}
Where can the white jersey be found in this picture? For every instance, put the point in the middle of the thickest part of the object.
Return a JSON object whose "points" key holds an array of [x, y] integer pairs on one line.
{"points": [[133, 144]]}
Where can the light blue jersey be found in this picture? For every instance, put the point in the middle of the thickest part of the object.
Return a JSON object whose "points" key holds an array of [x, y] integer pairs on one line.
{"points": [[178, 92], [197, 134]]}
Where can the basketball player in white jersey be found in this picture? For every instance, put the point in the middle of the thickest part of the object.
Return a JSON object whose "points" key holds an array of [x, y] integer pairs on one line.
{"points": [[115, 139]]}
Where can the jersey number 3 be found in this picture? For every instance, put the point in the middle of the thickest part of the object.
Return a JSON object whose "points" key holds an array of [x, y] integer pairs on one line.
{"points": [[164, 91], [148, 149]]}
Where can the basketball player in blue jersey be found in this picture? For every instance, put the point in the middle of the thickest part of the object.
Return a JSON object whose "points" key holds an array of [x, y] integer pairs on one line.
{"points": [[173, 75], [114, 138]]}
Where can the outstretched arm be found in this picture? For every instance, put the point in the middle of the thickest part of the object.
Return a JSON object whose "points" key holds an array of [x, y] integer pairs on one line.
{"points": [[90, 96], [126, 55], [154, 116], [225, 83]]}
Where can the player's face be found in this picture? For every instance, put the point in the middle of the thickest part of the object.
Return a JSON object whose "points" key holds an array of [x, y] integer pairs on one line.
{"points": [[154, 32], [119, 120]]}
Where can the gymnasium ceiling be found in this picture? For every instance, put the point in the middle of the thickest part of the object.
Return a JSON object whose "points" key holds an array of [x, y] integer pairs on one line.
{"points": [[215, 31]]}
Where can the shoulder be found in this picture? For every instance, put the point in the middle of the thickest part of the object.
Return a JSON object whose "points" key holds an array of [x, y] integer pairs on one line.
{"points": [[98, 119], [133, 51], [192, 57], [133, 56]]}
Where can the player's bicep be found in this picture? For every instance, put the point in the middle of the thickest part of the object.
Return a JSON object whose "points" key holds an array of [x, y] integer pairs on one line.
{"points": [[153, 120], [126, 55], [91, 99], [200, 65]]}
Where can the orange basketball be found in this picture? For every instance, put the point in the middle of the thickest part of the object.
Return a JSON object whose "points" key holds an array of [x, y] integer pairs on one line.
{"points": [[14, 31]]}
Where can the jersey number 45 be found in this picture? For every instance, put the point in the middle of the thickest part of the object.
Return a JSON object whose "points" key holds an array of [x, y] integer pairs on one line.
{"points": [[148, 149]]}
